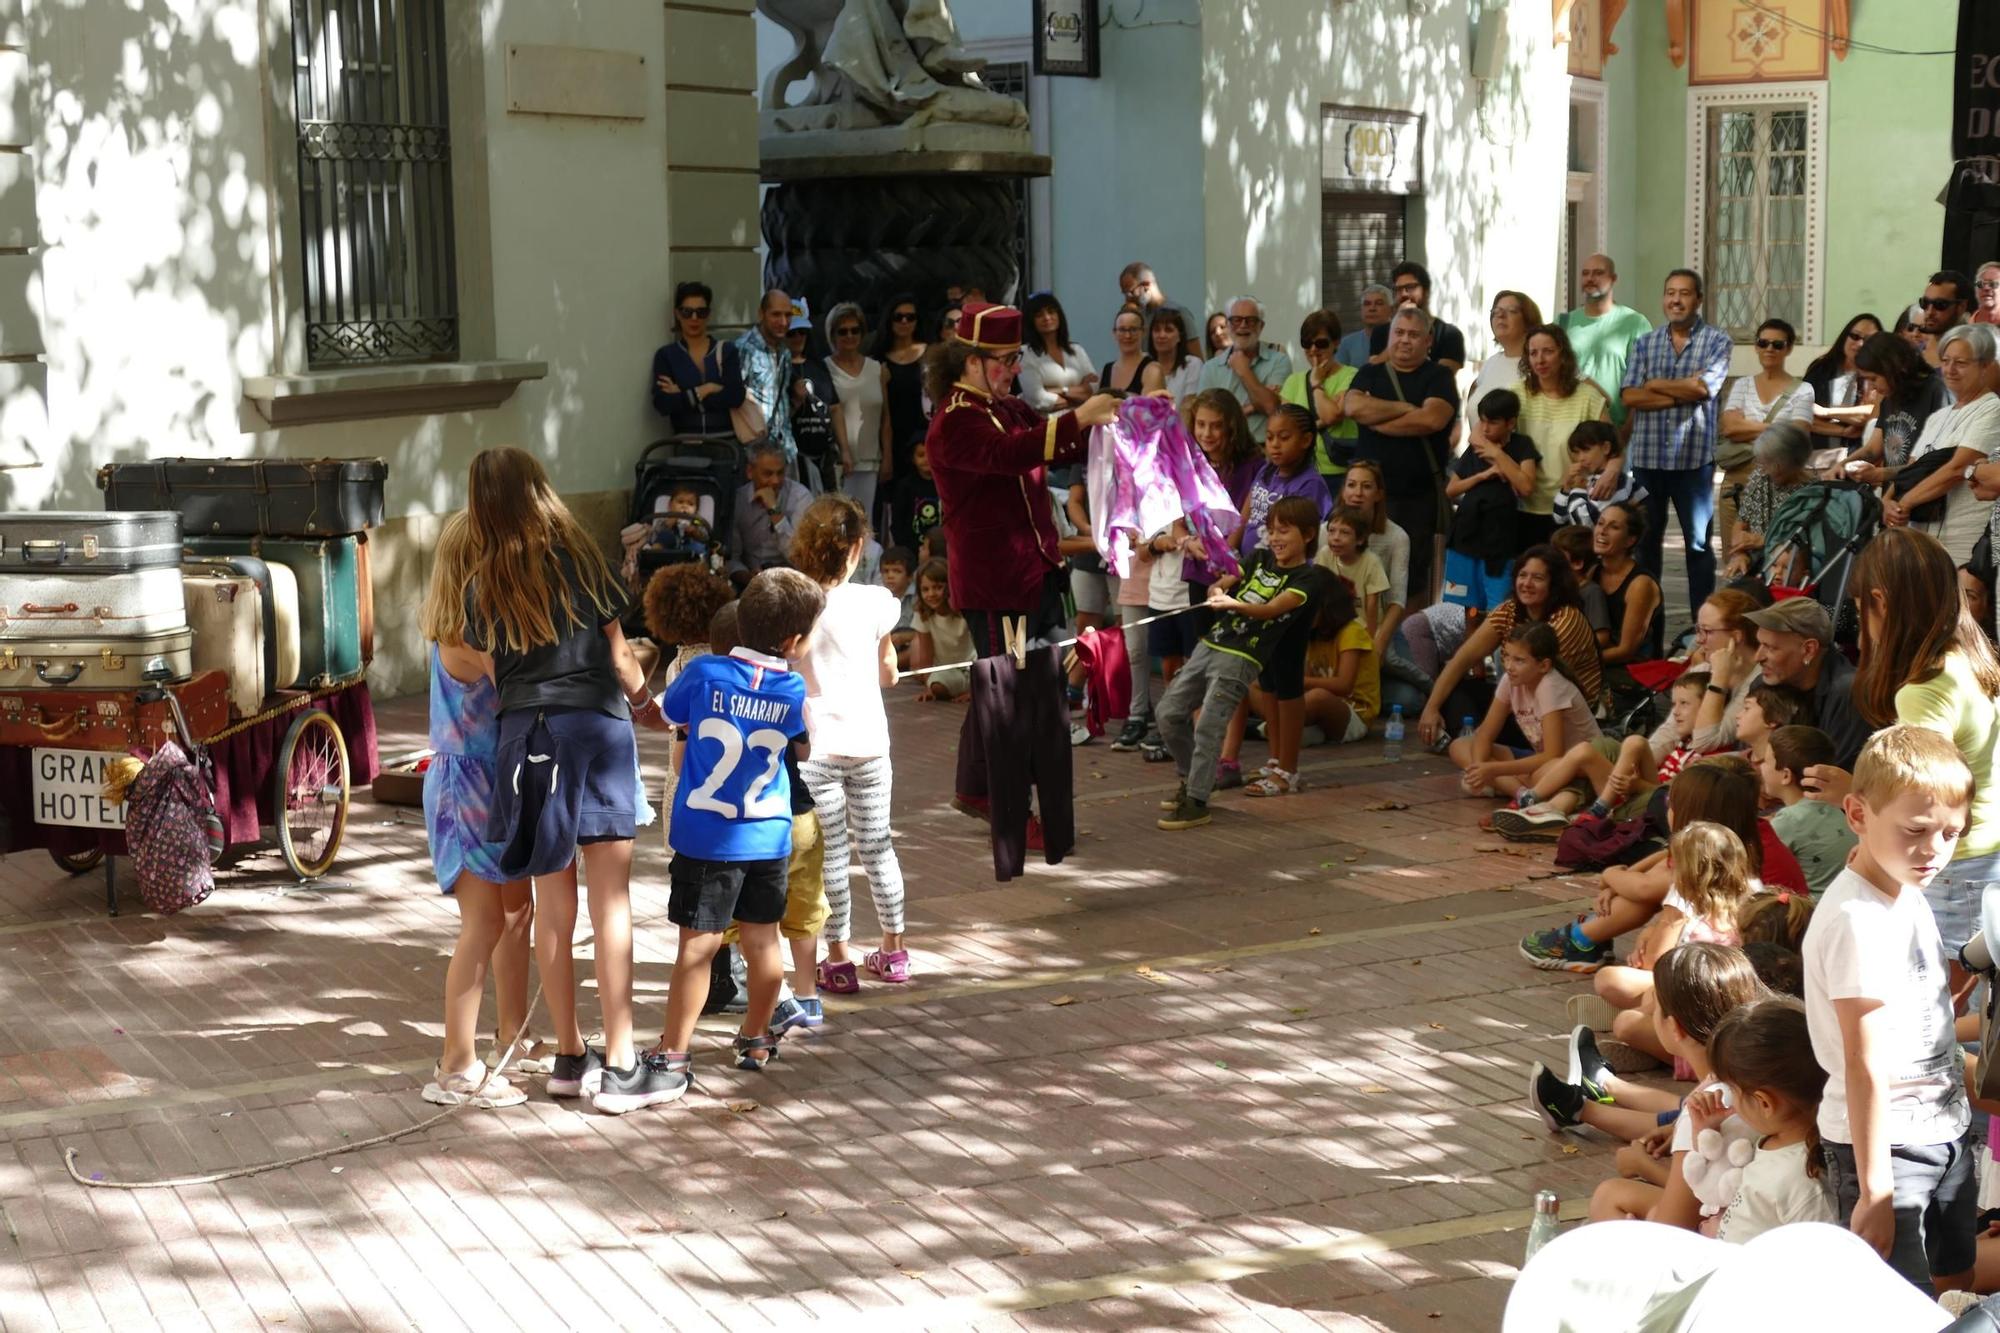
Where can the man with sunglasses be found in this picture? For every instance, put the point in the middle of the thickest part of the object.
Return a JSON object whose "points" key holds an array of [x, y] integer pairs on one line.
{"points": [[1410, 285], [1670, 388], [1252, 369], [1946, 302]]}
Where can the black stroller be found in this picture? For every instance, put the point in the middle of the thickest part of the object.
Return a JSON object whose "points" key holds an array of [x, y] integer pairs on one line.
{"points": [[709, 465]]}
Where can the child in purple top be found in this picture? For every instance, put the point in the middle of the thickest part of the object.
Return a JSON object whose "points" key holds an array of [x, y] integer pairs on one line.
{"points": [[1218, 425], [1287, 470]]}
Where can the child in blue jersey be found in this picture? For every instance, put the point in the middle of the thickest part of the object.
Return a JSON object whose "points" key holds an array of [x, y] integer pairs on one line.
{"points": [[731, 832]]}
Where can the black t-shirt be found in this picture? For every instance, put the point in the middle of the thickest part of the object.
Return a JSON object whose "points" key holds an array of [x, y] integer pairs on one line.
{"points": [[802, 797], [574, 671], [1447, 342], [1263, 582], [1483, 524], [914, 509], [1405, 471], [812, 416]]}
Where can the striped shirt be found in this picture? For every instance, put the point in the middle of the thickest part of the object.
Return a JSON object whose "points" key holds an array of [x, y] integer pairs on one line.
{"points": [[1682, 435]]}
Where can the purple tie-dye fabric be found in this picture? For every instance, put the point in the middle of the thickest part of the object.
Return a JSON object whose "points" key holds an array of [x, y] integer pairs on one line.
{"points": [[1145, 471]]}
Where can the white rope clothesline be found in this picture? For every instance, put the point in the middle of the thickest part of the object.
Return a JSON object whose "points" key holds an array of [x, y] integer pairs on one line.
{"points": [[1059, 643]]}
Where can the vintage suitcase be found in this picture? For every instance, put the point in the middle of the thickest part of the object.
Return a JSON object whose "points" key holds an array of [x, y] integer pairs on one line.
{"points": [[87, 543], [253, 497], [225, 610], [329, 600], [278, 604], [103, 662], [110, 719], [62, 604]]}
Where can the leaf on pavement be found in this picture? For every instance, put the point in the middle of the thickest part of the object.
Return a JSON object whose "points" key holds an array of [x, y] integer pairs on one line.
{"points": [[1061, 1000]]}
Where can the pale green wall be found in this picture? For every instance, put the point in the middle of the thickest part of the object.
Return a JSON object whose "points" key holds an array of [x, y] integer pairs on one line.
{"points": [[1888, 154]]}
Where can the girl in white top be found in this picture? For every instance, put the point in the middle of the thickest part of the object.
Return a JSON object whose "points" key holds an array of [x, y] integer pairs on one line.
{"points": [[1763, 1052], [851, 657], [860, 422], [1056, 373]]}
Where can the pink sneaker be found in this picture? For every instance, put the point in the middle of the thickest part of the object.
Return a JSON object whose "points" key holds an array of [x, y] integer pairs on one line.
{"points": [[892, 967]]}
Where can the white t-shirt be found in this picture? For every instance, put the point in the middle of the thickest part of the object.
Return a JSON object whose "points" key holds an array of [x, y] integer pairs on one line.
{"points": [[1863, 943], [843, 671], [1797, 404], [1166, 588], [1555, 694], [1973, 425], [1776, 1191], [1392, 547]]}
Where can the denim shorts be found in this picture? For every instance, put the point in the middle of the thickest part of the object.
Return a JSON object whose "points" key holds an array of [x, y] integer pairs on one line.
{"points": [[1936, 1203], [563, 777]]}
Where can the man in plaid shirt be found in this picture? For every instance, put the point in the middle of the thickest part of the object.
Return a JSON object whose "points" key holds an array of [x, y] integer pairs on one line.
{"points": [[1672, 381]]}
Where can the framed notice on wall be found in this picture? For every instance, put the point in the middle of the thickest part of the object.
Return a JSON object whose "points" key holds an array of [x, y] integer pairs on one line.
{"points": [[1371, 152], [1066, 35]]}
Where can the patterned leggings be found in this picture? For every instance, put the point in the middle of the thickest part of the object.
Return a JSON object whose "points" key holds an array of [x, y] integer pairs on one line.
{"points": [[856, 789]]}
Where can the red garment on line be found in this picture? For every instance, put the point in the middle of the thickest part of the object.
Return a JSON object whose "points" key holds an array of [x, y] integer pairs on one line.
{"points": [[1107, 676]]}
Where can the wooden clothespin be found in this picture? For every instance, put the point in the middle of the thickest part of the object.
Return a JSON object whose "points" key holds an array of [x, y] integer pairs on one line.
{"points": [[1014, 630]]}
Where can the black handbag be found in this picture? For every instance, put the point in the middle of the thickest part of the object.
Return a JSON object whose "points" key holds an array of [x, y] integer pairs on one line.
{"points": [[1917, 470]]}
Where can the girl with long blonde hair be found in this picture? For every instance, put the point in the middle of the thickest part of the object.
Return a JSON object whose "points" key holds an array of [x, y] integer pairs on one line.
{"points": [[542, 608]]}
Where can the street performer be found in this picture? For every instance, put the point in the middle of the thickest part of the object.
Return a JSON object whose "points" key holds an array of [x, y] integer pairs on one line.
{"points": [[990, 454]]}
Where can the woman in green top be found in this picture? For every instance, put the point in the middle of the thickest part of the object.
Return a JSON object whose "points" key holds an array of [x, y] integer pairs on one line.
{"points": [[1320, 389], [1930, 665], [1555, 399]]}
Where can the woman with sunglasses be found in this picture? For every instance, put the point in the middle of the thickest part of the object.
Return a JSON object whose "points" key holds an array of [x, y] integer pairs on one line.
{"points": [[1841, 416], [696, 380], [902, 358], [860, 416], [1756, 402], [1055, 372], [1321, 389]]}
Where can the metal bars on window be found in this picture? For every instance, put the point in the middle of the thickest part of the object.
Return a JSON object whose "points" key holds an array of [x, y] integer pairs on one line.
{"points": [[1010, 79], [1757, 205], [375, 208]]}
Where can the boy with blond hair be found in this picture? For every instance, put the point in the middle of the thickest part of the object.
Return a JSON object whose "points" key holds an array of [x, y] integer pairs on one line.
{"points": [[1879, 1011]]}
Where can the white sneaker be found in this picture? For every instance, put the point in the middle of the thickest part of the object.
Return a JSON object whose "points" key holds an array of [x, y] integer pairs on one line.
{"points": [[462, 1088], [1079, 734]]}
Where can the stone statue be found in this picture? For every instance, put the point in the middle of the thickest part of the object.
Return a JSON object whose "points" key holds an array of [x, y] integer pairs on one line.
{"points": [[876, 64]]}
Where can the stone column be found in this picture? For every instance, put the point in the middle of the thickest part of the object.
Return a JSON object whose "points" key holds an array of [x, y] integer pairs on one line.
{"points": [[27, 472], [712, 184]]}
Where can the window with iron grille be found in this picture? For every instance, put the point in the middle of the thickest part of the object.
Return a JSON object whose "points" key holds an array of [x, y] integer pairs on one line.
{"points": [[1010, 79], [375, 208], [1756, 217]]}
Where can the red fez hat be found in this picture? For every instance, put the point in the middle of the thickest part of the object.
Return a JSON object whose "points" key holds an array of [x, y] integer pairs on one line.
{"points": [[990, 328]]}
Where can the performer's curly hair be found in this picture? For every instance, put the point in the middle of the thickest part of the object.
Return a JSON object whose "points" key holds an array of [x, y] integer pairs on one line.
{"points": [[682, 599]]}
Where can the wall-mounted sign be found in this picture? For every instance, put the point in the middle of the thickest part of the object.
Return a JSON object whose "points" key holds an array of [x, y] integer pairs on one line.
{"points": [[1376, 151], [1066, 34]]}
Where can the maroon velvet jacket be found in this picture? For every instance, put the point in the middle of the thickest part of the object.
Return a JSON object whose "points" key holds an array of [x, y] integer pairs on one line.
{"points": [[990, 458]]}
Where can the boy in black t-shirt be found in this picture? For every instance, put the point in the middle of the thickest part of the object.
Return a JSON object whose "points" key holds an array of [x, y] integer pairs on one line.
{"points": [[1278, 583], [914, 509], [1496, 471]]}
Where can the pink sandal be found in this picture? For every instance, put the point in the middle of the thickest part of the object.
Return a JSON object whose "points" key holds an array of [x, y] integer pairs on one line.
{"points": [[839, 978], [891, 967]]}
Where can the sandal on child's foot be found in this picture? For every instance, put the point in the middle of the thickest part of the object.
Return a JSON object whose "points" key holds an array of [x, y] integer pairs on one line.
{"points": [[1623, 1058], [749, 1049], [531, 1055], [1228, 773], [464, 1088], [839, 978], [1273, 781], [892, 966]]}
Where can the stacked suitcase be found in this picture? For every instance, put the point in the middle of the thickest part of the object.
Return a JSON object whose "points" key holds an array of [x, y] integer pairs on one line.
{"points": [[277, 570], [92, 601]]}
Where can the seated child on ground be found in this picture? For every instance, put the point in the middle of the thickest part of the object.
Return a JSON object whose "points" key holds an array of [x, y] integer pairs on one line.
{"points": [[1539, 694], [1579, 547], [1711, 881], [1343, 679], [1720, 789], [1344, 551], [1816, 832], [941, 636], [1616, 771], [1768, 707], [899, 576], [1763, 1054], [1696, 986]]}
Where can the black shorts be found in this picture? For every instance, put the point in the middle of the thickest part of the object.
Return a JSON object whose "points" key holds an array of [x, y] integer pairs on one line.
{"points": [[709, 895], [1173, 637], [1284, 676]]}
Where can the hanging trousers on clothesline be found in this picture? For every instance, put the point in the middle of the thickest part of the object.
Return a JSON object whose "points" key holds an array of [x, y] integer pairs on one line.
{"points": [[1022, 717]]}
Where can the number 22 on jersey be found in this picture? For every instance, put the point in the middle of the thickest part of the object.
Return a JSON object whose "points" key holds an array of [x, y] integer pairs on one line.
{"points": [[759, 801]]}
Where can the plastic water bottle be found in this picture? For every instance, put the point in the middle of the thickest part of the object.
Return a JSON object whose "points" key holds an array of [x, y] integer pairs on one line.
{"points": [[1392, 736], [1466, 730], [1543, 1228]]}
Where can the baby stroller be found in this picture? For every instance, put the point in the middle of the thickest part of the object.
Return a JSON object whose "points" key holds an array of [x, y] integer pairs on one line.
{"points": [[1809, 551], [712, 467]]}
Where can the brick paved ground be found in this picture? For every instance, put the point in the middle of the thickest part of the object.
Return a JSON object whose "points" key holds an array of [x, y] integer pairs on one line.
{"points": [[1268, 1073]]}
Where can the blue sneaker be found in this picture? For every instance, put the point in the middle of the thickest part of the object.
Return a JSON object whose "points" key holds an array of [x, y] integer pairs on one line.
{"points": [[796, 1013], [1556, 951]]}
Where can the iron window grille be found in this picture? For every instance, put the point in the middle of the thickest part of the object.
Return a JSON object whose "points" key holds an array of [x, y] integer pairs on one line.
{"points": [[375, 204]]}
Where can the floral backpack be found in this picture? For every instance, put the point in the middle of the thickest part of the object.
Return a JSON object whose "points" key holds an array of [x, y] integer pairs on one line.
{"points": [[172, 831]]}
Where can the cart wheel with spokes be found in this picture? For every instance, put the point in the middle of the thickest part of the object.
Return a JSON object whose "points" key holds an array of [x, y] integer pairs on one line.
{"points": [[78, 863], [309, 806]]}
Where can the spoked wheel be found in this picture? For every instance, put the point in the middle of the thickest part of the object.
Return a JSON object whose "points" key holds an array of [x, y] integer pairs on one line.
{"points": [[78, 863], [310, 804]]}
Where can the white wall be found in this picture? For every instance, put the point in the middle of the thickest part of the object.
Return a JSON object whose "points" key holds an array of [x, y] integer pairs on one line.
{"points": [[1494, 156], [152, 172]]}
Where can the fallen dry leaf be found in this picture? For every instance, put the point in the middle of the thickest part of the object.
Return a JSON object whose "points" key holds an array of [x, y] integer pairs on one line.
{"points": [[1061, 1000], [1437, 1027], [1350, 859], [1327, 865], [1571, 1150], [1373, 1087], [1451, 916], [1387, 805], [1219, 967], [743, 1107], [1313, 931], [1159, 978], [1302, 1009], [1094, 773], [1416, 962]]}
